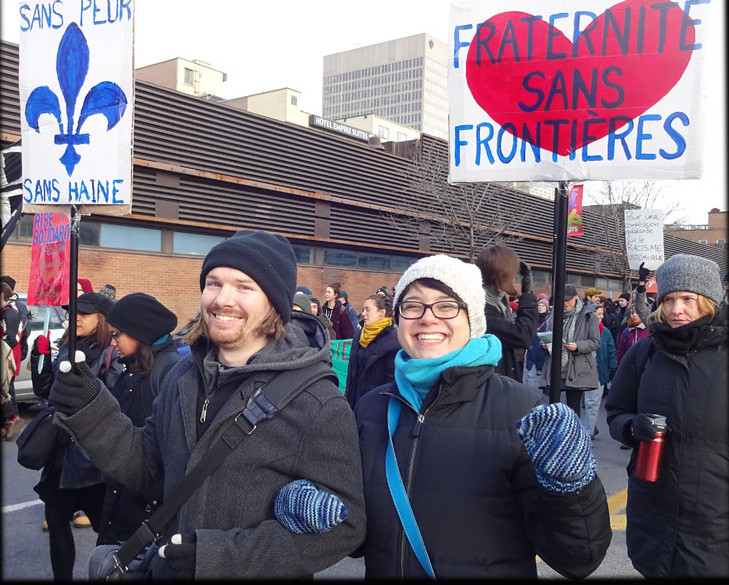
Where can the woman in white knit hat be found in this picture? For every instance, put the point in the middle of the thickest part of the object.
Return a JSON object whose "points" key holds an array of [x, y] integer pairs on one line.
{"points": [[678, 526], [468, 473]]}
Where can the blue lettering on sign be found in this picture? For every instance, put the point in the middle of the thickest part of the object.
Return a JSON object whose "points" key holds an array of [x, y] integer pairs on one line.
{"points": [[105, 98], [45, 232], [632, 137], [105, 11], [41, 16], [101, 191], [42, 191]]}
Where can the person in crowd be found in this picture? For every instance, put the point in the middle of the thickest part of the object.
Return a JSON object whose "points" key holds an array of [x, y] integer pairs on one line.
{"points": [[244, 336], [580, 340], [620, 314], [592, 295], [372, 356], [344, 300], [640, 302], [725, 285], [609, 320], [11, 332], [141, 330], [499, 267], [634, 331], [319, 314], [536, 354], [108, 290], [678, 526], [336, 313], [485, 493], [71, 482], [607, 363]]}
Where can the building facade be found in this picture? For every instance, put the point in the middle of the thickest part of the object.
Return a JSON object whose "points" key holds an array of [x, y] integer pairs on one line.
{"points": [[403, 80], [195, 78], [713, 233]]}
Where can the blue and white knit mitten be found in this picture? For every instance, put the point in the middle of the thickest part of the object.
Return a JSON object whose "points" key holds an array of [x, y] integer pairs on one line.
{"points": [[302, 508], [559, 447]]}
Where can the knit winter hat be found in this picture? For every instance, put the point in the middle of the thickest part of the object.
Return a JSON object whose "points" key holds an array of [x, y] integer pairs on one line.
{"points": [[85, 285], [303, 302], [343, 293], [544, 302], [9, 281], [142, 317], [108, 290], [267, 258], [463, 278], [689, 273], [625, 296], [303, 289]]}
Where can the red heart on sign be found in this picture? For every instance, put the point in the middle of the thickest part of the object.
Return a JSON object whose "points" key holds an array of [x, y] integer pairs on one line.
{"points": [[541, 88]]}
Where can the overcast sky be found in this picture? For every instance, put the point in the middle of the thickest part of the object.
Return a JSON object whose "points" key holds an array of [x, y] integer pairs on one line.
{"points": [[281, 43]]}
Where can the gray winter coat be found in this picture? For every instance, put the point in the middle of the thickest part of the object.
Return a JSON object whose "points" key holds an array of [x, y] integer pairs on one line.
{"points": [[581, 364], [313, 437]]}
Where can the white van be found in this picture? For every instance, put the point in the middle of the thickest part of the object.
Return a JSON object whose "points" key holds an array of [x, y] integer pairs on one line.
{"points": [[23, 384]]}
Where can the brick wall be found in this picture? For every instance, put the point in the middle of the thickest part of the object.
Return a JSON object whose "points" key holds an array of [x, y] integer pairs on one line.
{"points": [[174, 281]]}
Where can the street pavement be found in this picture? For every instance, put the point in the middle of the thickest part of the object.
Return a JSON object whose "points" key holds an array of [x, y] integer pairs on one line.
{"points": [[25, 553]]}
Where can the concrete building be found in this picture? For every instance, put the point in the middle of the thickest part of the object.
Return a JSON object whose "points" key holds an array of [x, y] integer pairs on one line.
{"points": [[191, 77], [713, 233], [403, 80]]}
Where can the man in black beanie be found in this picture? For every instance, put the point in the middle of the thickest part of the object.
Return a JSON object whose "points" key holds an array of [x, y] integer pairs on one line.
{"points": [[237, 525]]}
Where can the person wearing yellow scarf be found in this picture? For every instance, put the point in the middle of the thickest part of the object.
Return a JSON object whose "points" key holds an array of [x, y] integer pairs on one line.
{"points": [[372, 356]]}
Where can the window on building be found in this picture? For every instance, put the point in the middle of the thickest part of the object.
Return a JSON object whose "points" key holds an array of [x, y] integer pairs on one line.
{"points": [[304, 254], [373, 261], [703, 242], [189, 76], [383, 132], [130, 238], [294, 100], [198, 244], [721, 241], [340, 258]]}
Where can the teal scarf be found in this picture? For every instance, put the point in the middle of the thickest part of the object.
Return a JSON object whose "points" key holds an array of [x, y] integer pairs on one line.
{"points": [[415, 377]]}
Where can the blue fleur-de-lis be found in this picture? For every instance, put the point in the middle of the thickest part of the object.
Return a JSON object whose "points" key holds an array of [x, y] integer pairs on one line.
{"points": [[72, 65]]}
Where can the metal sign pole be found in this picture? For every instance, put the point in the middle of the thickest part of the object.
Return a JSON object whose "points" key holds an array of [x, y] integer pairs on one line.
{"points": [[559, 254], [73, 283]]}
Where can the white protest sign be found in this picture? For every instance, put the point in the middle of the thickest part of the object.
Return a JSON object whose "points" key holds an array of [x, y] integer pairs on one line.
{"points": [[572, 90], [76, 99], [644, 237]]}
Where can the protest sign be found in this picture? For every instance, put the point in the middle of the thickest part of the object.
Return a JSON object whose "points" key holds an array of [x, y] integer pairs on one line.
{"points": [[339, 351], [644, 238], [574, 212], [575, 89], [50, 259], [76, 99]]}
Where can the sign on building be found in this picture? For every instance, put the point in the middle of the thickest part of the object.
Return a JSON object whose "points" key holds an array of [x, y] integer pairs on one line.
{"points": [[571, 90], [76, 99]]}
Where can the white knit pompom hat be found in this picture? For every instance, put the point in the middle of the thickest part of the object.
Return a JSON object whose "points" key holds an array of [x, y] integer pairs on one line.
{"points": [[463, 278]]}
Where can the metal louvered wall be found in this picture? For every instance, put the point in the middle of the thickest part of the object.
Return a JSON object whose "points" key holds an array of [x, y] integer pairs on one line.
{"points": [[225, 169]]}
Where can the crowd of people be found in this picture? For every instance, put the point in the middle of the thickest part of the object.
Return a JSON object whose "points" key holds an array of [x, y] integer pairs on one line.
{"points": [[442, 456]]}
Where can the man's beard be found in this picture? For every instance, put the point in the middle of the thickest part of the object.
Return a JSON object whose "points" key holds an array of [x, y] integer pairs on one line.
{"points": [[232, 337]]}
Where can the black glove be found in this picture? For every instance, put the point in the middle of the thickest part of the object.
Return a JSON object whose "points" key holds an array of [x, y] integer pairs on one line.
{"points": [[526, 276], [643, 273], [643, 427], [73, 388], [176, 560]]}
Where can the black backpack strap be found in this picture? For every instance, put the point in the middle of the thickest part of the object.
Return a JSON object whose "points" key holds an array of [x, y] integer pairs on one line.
{"points": [[264, 404]]}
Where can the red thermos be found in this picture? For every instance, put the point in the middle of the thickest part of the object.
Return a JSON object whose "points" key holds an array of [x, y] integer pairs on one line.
{"points": [[649, 452]]}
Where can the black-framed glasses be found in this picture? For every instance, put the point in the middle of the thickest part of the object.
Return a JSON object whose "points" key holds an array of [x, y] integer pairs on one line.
{"points": [[116, 334], [441, 309]]}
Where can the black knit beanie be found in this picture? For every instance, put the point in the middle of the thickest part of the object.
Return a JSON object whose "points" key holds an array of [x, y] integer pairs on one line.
{"points": [[267, 258], [142, 317]]}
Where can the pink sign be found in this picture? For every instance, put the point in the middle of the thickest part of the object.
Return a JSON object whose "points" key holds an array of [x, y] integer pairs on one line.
{"points": [[50, 258]]}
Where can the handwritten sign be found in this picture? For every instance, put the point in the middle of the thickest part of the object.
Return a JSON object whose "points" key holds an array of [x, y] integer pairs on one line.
{"points": [[50, 259], [76, 97], [339, 352], [575, 89], [644, 237]]}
